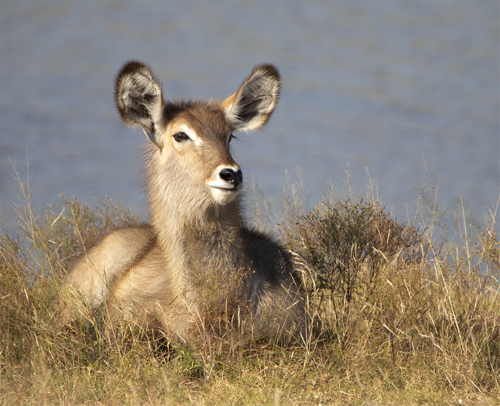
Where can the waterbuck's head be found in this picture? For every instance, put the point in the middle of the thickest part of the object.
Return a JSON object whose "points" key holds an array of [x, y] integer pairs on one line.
{"points": [[191, 162]]}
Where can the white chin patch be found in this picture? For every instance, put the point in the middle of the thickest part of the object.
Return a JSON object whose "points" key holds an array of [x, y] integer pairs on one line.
{"points": [[223, 196]]}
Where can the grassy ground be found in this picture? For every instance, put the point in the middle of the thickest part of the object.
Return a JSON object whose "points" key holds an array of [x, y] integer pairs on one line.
{"points": [[399, 315]]}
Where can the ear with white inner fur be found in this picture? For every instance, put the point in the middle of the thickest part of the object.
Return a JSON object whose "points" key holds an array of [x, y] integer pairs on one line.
{"points": [[251, 106], [139, 99]]}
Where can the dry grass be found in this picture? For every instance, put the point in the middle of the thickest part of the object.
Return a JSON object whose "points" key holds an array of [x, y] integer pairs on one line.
{"points": [[399, 316]]}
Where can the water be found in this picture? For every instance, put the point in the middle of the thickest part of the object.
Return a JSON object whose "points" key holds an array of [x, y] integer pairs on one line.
{"points": [[403, 88]]}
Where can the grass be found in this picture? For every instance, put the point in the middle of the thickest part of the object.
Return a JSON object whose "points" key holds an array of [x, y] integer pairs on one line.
{"points": [[401, 313]]}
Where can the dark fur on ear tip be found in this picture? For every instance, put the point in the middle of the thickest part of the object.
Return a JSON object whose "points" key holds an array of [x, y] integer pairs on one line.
{"points": [[133, 66], [269, 69]]}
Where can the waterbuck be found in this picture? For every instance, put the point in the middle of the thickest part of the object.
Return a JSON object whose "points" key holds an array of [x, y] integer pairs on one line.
{"points": [[197, 262]]}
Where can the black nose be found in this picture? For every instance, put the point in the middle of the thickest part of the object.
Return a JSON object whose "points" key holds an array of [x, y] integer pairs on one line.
{"points": [[235, 178]]}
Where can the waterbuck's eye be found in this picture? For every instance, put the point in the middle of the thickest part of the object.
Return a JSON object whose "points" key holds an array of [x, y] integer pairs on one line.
{"points": [[180, 136]]}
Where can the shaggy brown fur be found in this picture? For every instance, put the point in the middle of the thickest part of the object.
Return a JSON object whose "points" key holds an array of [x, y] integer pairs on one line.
{"points": [[197, 263]]}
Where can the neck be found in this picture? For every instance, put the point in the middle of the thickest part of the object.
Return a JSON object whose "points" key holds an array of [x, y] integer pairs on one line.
{"points": [[196, 233]]}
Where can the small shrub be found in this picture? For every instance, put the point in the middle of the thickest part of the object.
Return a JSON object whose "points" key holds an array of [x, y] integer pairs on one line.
{"points": [[347, 240]]}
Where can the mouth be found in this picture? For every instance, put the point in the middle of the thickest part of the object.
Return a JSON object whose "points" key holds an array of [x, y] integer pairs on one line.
{"points": [[223, 194], [231, 188]]}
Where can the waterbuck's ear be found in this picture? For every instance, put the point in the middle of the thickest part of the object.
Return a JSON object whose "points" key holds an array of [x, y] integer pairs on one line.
{"points": [[139, 99], [251, 106]]}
